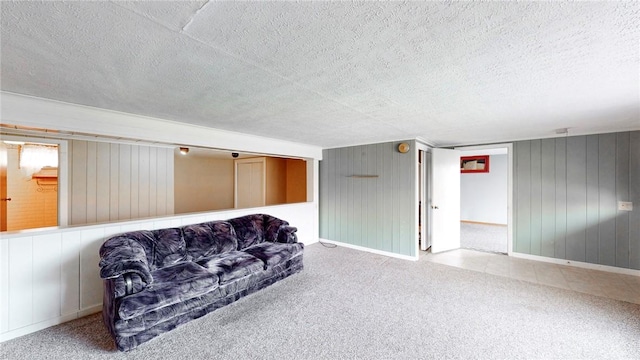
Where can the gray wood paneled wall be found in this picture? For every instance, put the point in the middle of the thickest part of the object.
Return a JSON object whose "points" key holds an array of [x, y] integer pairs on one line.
{"points": [[372, 212], [566, 193], [118, 181]]}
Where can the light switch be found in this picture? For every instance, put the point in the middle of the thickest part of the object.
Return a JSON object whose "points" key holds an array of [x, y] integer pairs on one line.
{"points": [[625, 206]]}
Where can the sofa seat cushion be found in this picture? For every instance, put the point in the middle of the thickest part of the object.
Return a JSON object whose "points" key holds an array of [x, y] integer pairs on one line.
{"points": [[275, 253], [170, 285], [232, 265]]}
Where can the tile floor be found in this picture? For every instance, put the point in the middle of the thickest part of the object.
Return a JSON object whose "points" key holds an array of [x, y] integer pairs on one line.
{"points": [[600, 283]]}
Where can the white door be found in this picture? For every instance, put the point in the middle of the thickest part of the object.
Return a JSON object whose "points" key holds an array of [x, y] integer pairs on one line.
{"points": [[250, 183], [445, 200]]}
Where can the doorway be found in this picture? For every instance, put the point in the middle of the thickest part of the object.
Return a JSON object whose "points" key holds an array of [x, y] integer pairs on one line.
{"points": [[485, 200], [30, 183]]}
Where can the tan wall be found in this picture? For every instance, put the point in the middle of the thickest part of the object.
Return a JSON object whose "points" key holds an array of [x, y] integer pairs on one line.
{"points": [[276, 177], [202, 183], [31, 205], [296, 180]]}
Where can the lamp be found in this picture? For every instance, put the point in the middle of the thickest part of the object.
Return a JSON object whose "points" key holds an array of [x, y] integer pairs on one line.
{"points": [[184, 150], [403, 148]]}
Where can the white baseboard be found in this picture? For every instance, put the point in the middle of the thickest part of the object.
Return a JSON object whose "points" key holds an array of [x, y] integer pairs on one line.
{"points": [[579, 264], [374, 251], [48, 323]]}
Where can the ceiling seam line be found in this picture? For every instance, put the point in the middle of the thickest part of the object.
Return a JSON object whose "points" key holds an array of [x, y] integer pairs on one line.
{"points": [[184, 28]]}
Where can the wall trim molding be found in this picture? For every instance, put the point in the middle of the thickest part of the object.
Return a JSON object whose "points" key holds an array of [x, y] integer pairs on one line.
{"points": [[374, 251], [579, 264]]}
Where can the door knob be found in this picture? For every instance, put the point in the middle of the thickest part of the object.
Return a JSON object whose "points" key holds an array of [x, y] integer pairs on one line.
{"points": [[434, 207], [6, 199]]}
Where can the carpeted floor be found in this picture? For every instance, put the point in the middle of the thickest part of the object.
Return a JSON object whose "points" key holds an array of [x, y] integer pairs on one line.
{"points": [[348, 304], [484, 237]]}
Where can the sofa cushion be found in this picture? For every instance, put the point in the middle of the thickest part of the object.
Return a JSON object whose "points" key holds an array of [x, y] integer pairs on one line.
{"points": [[170, 285], [170, 247], [274, 253], [232, 265], [272, 227], [211, 238], [249, 229]]}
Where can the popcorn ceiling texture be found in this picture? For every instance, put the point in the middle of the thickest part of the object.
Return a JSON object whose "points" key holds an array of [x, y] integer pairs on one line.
{"points": [[337, 74]]}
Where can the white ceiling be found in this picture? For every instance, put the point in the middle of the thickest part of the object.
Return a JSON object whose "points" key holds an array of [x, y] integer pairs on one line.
{"points": [[337, 73]]}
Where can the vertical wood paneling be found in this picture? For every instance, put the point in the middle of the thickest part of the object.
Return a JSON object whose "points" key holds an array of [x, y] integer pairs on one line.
{"points": [[103, 185], [634, 196], [576, 198], [47, 251], [349, 196], [161, 181], [114, 181], [20, 282], [394, 201], [143, 181], [380, 196], [592, 196], [378, 212], [561, 198], [91, 293], [135, 188], [548, 201], [70, 273], [323, 204], [365, 196], [410, 197], [153, 189], [607, 190], [387, 208], [523, 172], [357, 184], [170, 183], [536, 198], [124, 182], [4, 285], [92, 182], [79, 180], [580, 180], [334, 205], [622, 194]]}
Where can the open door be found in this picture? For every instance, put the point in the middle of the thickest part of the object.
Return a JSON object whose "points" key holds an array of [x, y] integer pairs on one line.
{"points": [[445, 200]]}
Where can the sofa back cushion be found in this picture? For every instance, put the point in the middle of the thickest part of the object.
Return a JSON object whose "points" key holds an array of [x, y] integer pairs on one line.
{"points": [[249, 229], [170, 247], [211, 238], [272, 226]]}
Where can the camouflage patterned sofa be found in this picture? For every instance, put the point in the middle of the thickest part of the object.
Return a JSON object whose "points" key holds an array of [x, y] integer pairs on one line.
{"points": [[157, 280]]}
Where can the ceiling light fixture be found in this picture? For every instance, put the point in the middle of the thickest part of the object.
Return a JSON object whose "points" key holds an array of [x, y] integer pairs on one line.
{"points": [[184, 150]]}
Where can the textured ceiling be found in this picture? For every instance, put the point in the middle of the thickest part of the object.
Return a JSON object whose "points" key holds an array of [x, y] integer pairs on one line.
{"points": [[336, 73]]}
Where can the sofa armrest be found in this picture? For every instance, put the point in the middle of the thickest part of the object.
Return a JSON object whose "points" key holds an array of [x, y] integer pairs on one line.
{"points": [[287, 234], [127, 284], [125, 261]]}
